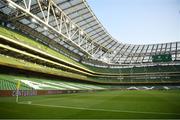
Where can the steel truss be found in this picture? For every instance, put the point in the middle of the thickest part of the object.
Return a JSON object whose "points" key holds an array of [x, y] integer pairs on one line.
{"points": [[55, 20]]}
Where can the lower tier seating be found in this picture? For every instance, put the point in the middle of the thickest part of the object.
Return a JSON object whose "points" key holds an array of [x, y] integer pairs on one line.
{"points": [[9, 82]]}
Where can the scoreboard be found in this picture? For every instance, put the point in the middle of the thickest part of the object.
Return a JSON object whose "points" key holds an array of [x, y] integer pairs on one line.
{"points": [[162, 58]]}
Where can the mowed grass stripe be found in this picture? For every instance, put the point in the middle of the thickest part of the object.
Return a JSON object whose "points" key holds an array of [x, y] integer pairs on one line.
{"points": [[91, 109], [95, 105]]}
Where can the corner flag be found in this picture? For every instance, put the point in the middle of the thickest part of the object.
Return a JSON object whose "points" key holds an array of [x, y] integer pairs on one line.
{"points": [[17, 89], [18, 85]]}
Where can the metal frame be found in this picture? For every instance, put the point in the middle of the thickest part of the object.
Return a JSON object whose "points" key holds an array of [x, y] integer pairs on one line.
{"points": [[64, 27], [79, 30]]}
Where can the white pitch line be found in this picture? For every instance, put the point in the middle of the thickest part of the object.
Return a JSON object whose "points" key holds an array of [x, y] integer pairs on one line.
{"points": [[92, 109]]}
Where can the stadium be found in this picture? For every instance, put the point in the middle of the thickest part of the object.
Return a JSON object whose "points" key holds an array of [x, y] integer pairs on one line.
{"points": [[57, 61]]}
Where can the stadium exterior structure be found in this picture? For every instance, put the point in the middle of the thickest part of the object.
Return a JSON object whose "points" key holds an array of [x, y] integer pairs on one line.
{"points": [[64, 38]]}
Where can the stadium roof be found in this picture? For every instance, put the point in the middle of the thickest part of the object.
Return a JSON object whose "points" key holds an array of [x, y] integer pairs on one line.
{"points": [[73, 25]]}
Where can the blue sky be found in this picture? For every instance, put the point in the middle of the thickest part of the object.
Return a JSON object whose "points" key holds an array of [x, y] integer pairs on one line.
{"points": [[139, 21]]}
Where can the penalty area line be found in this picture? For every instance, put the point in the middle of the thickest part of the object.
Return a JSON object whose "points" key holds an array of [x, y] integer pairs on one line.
{"points": [[105, 110]]}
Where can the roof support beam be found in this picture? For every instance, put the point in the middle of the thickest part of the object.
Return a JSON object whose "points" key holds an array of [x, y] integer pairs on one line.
{"points": [[52, 11]]}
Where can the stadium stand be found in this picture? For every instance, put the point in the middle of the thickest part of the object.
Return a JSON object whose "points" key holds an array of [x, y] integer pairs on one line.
{"points": [[78, 53], [9, 82]]}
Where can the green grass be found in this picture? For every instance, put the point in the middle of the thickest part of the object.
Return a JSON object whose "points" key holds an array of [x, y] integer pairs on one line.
{"points": [[97, 105]]}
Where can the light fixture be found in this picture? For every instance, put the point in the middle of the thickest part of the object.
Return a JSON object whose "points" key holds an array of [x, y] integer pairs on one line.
{"points": [[45, 28], [73, 26], [56, 11], [33, 20], [67, 21], [81, 32]]}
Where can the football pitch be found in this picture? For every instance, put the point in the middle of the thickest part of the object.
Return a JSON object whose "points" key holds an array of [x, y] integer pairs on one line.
{"points": [[95, 105]]}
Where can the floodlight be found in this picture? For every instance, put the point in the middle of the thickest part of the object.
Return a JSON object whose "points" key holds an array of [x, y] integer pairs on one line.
{"points": [[81, 32], [56, 11], [33, 20], [45, 28], [45, 7], [67, 21], [73, 26]]}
